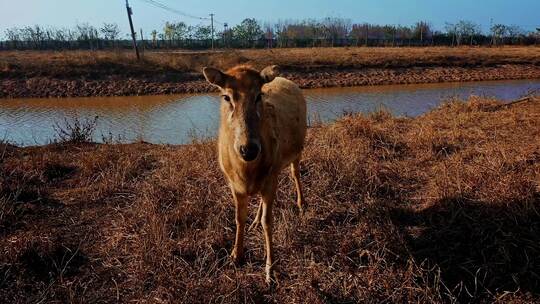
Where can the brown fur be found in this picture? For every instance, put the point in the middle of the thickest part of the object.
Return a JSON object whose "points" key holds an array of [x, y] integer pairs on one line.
{"points": [[278, 123]]}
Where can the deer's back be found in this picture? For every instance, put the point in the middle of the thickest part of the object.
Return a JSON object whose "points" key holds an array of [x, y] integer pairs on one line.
{"points": [[287, 106]]}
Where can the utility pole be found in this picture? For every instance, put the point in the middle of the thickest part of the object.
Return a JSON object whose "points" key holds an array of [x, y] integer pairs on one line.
{"points": [[393, 35], [212, 26], [130, 12], [491, 30], [367, 33], [421, 33], [454, 38], [225, 33], [142, 43]]}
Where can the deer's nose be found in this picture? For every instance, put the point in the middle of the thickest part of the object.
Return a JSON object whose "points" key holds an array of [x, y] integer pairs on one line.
{"points": [[250, 151]]}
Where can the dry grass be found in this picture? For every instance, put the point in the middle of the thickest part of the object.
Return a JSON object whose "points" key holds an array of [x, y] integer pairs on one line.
{"points": [[394, 57], [440, 208], [99, 63]]}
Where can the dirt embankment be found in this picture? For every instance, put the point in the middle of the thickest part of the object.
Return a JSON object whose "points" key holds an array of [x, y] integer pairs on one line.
{"points": [[314, 78], [50, 74], [442, 208]]}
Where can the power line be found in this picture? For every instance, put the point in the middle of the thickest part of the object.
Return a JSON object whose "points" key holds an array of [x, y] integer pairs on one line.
{"points": [[172, 10], [175, 11], [219, 22]]}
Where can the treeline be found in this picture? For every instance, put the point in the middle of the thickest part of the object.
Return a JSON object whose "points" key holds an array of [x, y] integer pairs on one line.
{"points": [[253, 34], [83, 36]]}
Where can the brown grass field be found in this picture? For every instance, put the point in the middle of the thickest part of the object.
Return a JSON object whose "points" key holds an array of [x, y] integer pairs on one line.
{"points": [[70, 63], [91, 73], [440, 208]]}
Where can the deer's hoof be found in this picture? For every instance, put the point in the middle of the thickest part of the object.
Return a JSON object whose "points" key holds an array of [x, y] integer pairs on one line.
{"points": [[236, 258], [271, 278], [301, 208]]}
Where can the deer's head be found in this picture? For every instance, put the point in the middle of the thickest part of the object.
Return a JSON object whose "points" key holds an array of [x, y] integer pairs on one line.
{"points": [[242, 104]]}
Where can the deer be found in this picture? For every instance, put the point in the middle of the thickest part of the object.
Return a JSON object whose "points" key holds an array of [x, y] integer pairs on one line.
{"points": [[262, 131]]}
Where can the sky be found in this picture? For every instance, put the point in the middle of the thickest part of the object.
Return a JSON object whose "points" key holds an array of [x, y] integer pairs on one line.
{"points": [[67, 13]]}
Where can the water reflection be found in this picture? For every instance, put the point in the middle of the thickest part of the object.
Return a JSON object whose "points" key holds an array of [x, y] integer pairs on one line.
{"points": [[175, 119]]}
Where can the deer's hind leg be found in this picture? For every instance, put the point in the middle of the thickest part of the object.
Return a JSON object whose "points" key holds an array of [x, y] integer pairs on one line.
{"points": [[257, 219], [295, 172]]}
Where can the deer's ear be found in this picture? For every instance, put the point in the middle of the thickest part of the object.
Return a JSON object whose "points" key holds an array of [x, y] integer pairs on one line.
{"points": [[270, 72], [214, 76]]}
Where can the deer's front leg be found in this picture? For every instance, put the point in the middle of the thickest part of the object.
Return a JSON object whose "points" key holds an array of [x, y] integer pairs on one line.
{"points": [[268, 193], [240, 201]]}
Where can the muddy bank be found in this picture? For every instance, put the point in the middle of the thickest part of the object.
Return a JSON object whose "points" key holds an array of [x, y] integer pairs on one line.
{"points": [[122, 85]]}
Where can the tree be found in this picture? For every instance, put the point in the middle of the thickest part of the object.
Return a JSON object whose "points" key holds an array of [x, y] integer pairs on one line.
{"points": [[269, 34], [154, 34], [421, 31], [360, 31], [389, 32], [498, 31], [465, 28], [304, 31], [515, 33], [110, 31], [249, 31], [281, 33], [168, 31], [14, 35], [60, 34], [451, 31], [175, 31], [203, 32], [404, 32], [87, 33], [34, 34], [336, 28]]}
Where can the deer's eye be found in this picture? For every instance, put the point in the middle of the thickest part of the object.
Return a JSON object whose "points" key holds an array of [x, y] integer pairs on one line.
{"points": [[226, 98]]}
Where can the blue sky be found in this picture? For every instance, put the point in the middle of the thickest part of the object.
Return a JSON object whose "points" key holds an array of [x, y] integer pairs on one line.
{"points": [[67, 13]]}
